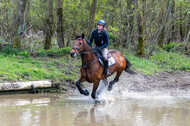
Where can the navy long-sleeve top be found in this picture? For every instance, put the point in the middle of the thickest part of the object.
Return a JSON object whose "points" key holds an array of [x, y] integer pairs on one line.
{"points": [[101, 39]]}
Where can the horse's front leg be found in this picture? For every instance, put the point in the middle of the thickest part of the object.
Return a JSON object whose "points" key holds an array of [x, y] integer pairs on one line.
{"points": [[105, 84], [95, 86], [85, 92]]}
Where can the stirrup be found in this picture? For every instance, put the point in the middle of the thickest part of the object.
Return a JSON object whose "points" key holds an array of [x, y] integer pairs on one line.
{"points": [[107, 72]]}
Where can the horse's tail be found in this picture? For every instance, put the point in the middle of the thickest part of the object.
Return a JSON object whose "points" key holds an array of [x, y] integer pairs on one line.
{"points": [[127, 68]]}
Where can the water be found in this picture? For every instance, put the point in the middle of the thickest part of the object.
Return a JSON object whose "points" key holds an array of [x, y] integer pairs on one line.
{"points": [[126, 109]]}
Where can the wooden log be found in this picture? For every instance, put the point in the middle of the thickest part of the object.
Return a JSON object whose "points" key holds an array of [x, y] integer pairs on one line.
{"points": [[24, 85]]}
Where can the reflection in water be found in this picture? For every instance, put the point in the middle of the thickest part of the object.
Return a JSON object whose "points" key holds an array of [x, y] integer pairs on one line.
{"points": [[52, 109]]}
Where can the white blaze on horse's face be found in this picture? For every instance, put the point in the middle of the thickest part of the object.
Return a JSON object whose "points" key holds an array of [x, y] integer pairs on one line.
{"points": [[78, 47]]}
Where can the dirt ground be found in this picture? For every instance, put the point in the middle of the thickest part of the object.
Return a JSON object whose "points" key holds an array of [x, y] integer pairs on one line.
{"points": [[173, 84]]}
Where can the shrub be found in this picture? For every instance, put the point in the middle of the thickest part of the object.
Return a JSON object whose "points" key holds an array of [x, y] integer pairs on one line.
{"points": [[174, 46], [54, 52], [171, 61], [8, 50]]}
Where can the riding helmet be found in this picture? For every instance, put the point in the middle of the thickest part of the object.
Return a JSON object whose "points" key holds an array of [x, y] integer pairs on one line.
{"points": [[102, 22]]}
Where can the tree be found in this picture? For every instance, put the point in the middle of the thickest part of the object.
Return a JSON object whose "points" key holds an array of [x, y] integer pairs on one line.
{"points": [[141, 37], [21, 23], [60, 30], [49, 26], [171, 38], [160, 36], [131, 9], [92, 17]]}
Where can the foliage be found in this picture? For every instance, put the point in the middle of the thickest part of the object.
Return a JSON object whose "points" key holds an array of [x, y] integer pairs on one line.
{"points": [[8, 50], [171, 61], [54, 52], [16, 64], [174, 46]]}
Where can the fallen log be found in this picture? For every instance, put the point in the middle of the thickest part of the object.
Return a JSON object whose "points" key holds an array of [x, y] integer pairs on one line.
{"points": [[24, 85]]}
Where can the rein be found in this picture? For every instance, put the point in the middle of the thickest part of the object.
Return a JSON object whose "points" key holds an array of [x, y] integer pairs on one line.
{"points": [[85, 66]]}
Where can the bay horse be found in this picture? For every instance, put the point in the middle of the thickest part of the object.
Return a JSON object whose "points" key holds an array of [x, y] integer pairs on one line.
{"points": [[92, 71]]}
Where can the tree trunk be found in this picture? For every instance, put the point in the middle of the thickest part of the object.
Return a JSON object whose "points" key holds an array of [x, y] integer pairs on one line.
{"points": [[2, 33], [188, 28], [22, 17], [160, 36], [92, 18], [130, 21], [49, 26], [21, 24], [24, 85], [171, 38], [141, 38], [181, 20], [60, 31]]}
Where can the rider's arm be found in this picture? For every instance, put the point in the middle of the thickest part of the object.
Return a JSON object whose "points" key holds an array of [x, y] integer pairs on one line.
{"points": [[91, 38], [106, 39]]}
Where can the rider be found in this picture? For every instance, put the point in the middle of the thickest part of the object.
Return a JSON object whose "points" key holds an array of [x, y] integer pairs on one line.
{"points": [[101, 39]]}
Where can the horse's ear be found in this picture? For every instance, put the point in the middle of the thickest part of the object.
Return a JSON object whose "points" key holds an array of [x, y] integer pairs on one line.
{"points": [[82, 35]]}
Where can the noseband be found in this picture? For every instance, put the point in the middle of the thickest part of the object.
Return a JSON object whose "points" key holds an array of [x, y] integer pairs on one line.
{"points": [[81, 47]]}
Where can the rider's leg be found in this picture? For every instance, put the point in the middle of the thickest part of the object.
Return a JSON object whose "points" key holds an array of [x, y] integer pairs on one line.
{"points": [[104, 52]]}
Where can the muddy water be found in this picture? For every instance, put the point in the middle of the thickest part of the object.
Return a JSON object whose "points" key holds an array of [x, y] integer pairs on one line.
{"points": [[58, 110]]}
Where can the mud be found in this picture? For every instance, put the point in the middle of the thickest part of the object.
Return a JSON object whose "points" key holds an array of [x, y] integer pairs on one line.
{"points": [[172, 84]]}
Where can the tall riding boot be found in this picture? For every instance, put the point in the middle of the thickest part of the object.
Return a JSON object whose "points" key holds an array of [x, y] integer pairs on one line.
{"points": [[107, 72]]}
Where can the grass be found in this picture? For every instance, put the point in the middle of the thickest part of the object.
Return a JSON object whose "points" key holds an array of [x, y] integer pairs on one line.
{"points": [[57, 65], [143, 65], [171, 61], [57, 69]]}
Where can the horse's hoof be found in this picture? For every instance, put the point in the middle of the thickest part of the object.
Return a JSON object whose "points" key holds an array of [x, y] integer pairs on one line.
{"points": [[86, 92], [93, 95], [109, 87]]}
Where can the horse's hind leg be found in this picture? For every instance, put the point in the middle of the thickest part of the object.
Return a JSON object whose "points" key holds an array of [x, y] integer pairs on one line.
{"points": [[116, 79]]}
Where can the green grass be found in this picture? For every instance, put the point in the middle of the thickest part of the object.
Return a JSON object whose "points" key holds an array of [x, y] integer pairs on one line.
{"points": [[160, 61], [16, 65], [15, 69], [171, 61], [144, 65]]}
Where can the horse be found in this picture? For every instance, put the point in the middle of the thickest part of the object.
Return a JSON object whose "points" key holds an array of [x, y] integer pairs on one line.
{"points": [[92, 71]]}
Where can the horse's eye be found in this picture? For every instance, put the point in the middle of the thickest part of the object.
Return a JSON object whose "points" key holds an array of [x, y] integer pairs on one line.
{"points": [[81, 43]]}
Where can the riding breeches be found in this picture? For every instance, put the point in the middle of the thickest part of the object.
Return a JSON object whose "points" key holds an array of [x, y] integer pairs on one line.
{"points": [[104, 52]]}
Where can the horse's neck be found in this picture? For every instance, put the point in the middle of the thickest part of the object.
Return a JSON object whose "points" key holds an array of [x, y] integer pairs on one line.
{"points": [[88, 55]]}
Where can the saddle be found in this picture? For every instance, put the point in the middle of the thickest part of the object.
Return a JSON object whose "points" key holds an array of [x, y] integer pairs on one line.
{"points": [[111, 60]]}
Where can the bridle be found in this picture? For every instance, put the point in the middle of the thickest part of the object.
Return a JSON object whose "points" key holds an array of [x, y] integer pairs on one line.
{"points": [[83, 46], [85, 66]]}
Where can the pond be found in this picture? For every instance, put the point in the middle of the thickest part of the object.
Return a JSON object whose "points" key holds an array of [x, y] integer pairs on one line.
{"points": [[60, 110]]}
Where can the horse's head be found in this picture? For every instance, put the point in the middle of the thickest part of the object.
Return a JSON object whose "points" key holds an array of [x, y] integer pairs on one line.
{"points": [[79, 45]]}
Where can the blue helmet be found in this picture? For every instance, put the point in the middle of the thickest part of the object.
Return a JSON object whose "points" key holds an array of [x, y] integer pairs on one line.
{"points": [[102, 22]]}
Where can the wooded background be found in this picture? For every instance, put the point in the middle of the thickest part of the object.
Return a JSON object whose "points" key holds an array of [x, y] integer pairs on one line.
{"points": [[136, 25]]}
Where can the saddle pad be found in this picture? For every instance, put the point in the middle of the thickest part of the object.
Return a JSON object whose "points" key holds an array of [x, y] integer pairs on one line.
{"points": [[111, 61]]}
